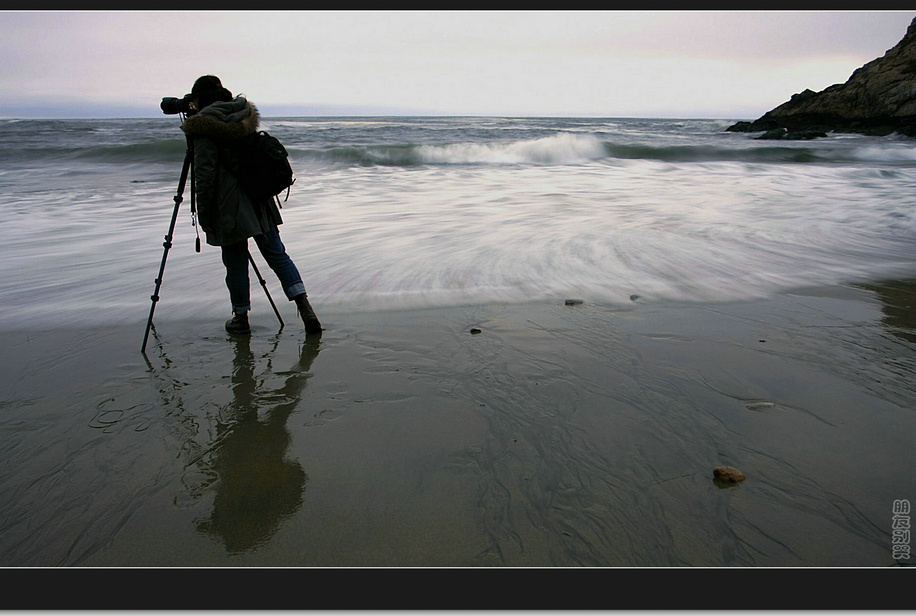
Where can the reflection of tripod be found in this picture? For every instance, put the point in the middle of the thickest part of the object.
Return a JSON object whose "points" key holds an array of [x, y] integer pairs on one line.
{"points": [[185, 170]]}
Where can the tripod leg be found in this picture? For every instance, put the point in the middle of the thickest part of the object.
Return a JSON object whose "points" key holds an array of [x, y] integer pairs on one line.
{"points": [[155, 296], [167, 244], [264, 284]]}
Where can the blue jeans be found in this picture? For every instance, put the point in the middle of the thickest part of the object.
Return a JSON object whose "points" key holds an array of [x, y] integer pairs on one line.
{"points": [[235, 258]]}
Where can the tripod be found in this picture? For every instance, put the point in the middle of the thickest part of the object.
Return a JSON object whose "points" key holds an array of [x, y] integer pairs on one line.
{"points": [[186, 170]]}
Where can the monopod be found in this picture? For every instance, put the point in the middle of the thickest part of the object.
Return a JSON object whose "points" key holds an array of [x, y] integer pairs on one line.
{"points": [[186, 170]]}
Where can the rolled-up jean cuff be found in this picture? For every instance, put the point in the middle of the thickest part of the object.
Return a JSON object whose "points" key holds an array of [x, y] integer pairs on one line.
{"points": [[295, 290], [241, 309]]}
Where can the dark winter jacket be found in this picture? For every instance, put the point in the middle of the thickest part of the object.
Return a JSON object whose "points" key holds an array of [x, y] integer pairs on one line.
{"points": [[225, 213]]}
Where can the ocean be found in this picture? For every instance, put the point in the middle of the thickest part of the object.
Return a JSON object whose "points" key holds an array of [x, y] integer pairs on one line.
{"points": [[407, 212]]}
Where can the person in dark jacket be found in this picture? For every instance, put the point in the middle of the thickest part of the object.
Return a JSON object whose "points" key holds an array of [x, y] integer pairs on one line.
{"points": [[225, 213]]}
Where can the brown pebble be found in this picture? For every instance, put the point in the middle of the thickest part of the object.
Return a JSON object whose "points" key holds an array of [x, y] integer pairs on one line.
{"points": [[728, 473]]}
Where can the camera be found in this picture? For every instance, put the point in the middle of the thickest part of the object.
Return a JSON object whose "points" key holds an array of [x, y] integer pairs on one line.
{"points": [[171, 105]]}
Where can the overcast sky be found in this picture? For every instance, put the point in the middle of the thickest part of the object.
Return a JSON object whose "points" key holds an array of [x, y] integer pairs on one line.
{"points": [[729, 65]]}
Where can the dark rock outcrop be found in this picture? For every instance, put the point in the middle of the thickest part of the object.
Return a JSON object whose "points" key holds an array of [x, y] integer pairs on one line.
{"points": [[878, 99]]}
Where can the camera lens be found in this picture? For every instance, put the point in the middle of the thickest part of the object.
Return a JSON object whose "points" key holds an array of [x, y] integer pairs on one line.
{"points": [[172, 105]]}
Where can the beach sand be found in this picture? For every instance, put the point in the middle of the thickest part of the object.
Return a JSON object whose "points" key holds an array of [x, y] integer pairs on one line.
{"points": [[517, 435]]}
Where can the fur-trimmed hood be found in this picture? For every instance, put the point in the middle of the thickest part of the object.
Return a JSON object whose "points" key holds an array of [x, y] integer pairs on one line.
{"points": [[224, 120]]}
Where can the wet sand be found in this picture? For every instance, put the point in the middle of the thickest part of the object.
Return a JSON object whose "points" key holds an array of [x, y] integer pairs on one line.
{"points": [[533, 435]]}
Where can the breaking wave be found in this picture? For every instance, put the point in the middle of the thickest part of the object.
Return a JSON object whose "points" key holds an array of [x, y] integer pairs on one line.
{"points": [[561, 149], [489, 143]]}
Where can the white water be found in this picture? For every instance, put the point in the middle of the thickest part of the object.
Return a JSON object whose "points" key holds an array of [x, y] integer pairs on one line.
{"points": [[446, 221]]}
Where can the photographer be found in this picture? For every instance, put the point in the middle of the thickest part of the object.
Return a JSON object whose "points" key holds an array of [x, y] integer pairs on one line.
{"points": [[226, 214]]}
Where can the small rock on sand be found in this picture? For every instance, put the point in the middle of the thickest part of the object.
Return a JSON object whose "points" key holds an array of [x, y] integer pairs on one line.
{"points": [[728, 474]]}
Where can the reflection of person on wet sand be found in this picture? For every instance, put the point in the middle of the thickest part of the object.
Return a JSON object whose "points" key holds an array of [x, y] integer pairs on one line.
{"points": [[258, 486]]}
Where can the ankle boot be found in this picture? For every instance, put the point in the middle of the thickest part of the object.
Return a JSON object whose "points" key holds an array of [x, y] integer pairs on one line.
{"points": [[309, 318], [238, 324]]}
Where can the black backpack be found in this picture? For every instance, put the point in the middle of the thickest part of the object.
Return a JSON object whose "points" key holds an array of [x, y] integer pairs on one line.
{"points": [[263, 166]]}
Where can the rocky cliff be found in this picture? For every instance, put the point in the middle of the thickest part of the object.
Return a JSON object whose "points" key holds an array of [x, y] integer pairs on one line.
{"points": [[879, 98]]}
